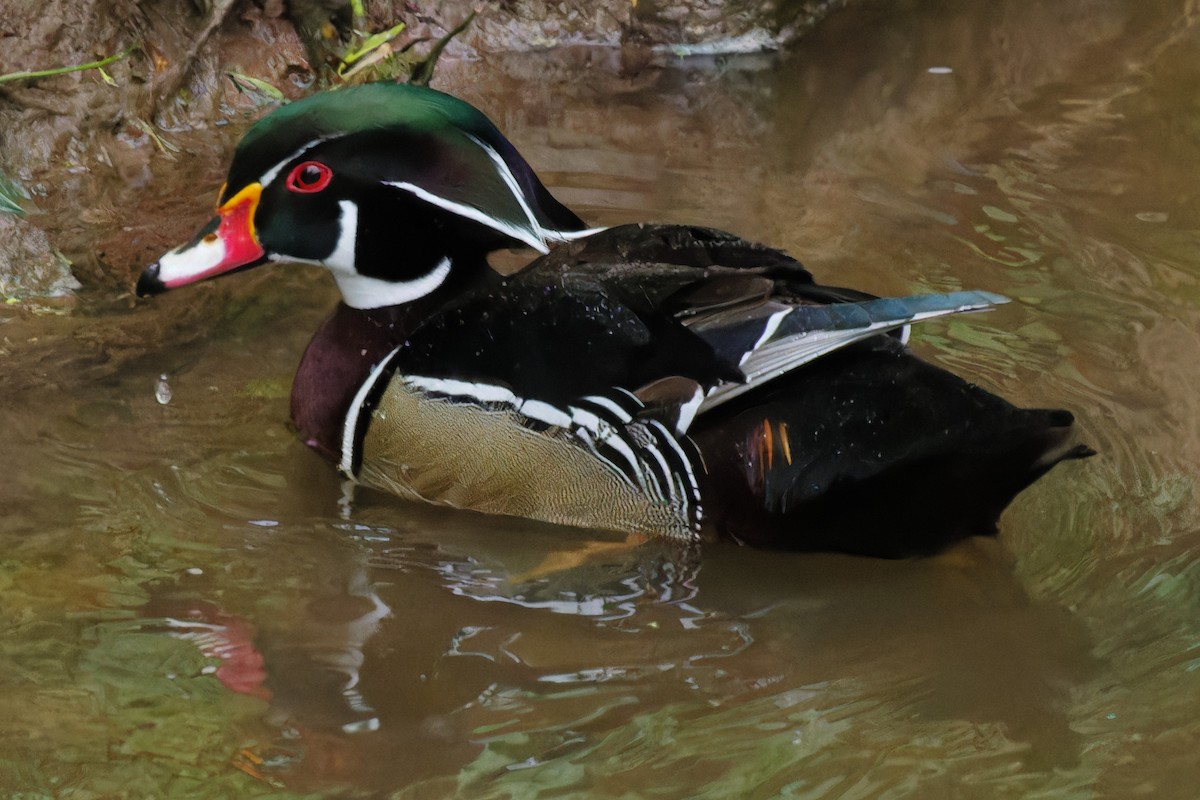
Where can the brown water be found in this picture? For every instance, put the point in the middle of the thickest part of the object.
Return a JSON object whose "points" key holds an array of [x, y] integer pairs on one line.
{"points": [[385, 650]]}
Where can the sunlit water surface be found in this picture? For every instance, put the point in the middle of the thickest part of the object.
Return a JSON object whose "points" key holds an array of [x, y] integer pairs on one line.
{"points": [[190, 608]]}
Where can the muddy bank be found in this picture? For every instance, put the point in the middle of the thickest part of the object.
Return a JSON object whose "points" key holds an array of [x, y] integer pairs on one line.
{"points": [[116, 173], [86, 150], [90, 148]]}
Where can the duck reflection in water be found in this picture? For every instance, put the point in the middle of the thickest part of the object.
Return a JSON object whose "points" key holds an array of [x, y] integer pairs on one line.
{"points": [[392, 653]]}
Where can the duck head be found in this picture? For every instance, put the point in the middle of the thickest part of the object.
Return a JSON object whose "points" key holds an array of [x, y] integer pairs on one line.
{"points": [[389, 186]]}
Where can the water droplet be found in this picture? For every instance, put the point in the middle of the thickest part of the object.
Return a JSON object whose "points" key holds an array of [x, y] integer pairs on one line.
{"points": [[940, 70], [162, 390]]}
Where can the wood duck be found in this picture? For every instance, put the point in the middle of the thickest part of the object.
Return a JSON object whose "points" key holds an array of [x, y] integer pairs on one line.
{"points": [[656, 380]]}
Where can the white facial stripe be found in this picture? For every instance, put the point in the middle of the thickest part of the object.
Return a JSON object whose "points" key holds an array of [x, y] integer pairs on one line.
{"points": [[470, 212], [188, 264], [510, 181], [570, 236], [532, 234], [274, 171]]}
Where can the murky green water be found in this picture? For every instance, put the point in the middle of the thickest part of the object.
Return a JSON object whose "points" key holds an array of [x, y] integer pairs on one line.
{"points": [[393, 651]]}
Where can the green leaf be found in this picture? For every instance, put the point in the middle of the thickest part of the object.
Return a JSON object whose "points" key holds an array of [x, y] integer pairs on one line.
{"points": [[161, 143], [370, 44], [46, 73], [256, 86], [11, 196]]}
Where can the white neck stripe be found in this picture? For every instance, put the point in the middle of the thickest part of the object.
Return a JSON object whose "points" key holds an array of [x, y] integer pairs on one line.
{"points": [[343, 255], [363, 292], [350, 426]]}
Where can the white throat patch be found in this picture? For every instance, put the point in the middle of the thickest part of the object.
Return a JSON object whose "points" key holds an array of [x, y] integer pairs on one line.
{"points": [[361, 291]]}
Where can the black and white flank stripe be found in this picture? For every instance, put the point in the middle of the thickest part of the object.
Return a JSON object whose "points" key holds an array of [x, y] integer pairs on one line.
{"points": [[614, 428]]}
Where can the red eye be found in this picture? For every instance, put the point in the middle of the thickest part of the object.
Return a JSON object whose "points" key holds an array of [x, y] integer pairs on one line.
{"points": [[311, 176]]}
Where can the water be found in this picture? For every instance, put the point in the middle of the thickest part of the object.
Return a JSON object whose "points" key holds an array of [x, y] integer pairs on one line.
{"points": [[151, 524]]}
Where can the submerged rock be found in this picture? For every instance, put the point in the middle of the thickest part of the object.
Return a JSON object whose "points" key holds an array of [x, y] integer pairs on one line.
{"points": [[29, 266]]}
